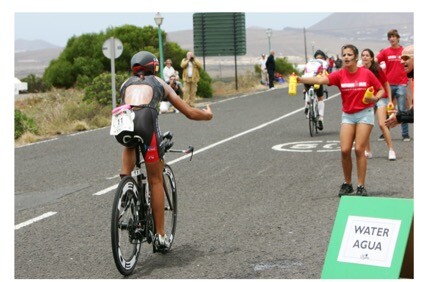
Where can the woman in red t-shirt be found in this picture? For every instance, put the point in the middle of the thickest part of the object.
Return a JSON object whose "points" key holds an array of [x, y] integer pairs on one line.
{"points": [[357, 117], [369, 62]]}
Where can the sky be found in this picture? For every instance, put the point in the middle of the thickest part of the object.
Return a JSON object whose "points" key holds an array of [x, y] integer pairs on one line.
{"points": [[33, 26]]}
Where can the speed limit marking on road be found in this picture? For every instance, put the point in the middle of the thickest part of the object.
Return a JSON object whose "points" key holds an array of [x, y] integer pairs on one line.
{"points": [[309, 146]]}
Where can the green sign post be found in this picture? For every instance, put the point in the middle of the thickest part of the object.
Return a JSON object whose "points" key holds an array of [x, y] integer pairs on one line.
{"points": [[370, 239], [219, 34]]}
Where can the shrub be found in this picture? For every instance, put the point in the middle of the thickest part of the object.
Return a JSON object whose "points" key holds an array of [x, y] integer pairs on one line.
{"points": [[204, 85], [35, 84], [100, 90], [23, 124]]}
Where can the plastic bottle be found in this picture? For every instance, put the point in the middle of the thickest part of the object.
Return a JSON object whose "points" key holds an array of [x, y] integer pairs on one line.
{"points": [[368, 94], [390, 107], [292, 89], [317, 86]]}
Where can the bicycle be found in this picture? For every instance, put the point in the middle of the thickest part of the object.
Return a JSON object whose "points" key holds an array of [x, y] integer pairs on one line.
{"points": [[132, 222], [313, 110]]}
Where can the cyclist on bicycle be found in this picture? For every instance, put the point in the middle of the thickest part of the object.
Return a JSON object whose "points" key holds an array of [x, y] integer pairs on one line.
{"points": [[314, 67], [144, 91]]}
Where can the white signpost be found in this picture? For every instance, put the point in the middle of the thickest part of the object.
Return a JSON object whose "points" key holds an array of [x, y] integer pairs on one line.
{"points": [[112, 48]]}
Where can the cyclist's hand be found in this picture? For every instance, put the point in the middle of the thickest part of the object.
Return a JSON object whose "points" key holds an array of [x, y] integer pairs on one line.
{"points": [[208, 111]]}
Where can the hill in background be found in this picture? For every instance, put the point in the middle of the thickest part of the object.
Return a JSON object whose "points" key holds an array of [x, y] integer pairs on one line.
{"points": [[365, 30]]}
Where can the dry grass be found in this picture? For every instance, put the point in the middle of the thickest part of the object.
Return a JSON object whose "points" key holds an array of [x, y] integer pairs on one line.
{"points": [[63, 111]]}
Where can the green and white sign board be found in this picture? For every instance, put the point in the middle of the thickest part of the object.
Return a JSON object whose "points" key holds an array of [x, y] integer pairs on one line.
{"points": [[369, 238]]}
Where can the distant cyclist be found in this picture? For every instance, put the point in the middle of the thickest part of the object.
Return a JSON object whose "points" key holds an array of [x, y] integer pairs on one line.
{"points": [[314, 67], [143, 91]]}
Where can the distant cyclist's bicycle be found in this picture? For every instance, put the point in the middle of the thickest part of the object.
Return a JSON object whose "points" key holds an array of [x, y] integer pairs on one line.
{"points": [[313, 110], [132, 222]]}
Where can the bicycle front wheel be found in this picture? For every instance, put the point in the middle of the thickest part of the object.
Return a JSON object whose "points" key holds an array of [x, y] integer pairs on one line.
{"points": [[126, 241], [170, 213], [311, 120]]}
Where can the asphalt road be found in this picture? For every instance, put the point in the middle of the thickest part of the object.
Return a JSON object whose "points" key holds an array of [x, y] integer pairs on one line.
{"points": [[258, 200]]}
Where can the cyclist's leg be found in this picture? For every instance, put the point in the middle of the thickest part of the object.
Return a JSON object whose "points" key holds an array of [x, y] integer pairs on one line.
{"points": [[321, 103], [128, 161], [306, 98], [154, 171], [320, 106]]}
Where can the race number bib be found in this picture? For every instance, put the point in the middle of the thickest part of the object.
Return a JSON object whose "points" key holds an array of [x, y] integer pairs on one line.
{"points": [[122, 120]]}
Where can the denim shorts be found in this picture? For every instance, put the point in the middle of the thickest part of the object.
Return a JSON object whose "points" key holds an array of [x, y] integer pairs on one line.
{"points": [[364, 116], [382, 103]]}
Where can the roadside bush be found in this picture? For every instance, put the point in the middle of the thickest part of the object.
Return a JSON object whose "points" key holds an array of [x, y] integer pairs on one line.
{"points": [[100, 90], [204, 85], [23, 124], [35, 84]]}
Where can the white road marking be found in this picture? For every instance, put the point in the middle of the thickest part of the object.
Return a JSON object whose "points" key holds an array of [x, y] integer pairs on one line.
{"points": [[104, 191], [31, 221]]}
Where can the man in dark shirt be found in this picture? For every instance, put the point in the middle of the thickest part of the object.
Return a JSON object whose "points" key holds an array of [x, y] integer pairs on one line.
{"points": [[270, 65]]}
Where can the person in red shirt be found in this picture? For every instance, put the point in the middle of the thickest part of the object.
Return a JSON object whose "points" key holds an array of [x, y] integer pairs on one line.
{"points": [[357, 116], [397, 117], [396, 74], [368, 61]]}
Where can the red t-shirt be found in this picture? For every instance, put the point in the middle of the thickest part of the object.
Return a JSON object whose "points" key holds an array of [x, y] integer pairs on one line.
{"points": [[353, 87], [382, 79], [394, 69]]}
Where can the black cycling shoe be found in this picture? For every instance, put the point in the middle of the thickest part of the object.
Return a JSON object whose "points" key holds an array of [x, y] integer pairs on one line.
{"points": [[361, 191], [320, 124], [345, 189]]}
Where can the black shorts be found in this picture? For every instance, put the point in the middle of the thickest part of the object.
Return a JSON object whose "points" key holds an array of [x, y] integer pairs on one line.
{"points": [[319, 92], [146, 130]]}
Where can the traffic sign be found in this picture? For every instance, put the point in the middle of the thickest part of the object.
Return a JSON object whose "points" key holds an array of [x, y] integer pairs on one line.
{"points": [[112, 46]]}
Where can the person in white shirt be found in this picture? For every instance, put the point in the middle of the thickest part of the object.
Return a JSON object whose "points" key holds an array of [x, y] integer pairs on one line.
{"points": [[263, 70], [168, 70], [314, 67]]}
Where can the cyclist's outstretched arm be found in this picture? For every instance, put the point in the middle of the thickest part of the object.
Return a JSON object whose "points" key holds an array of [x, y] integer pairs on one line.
{"points": [[183, 107]]}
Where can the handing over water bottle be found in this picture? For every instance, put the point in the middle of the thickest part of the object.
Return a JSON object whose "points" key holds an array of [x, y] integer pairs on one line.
{"points": [[368, 94], [292, 89]]}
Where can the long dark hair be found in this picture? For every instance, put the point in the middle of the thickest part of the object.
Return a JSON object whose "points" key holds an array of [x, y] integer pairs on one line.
{"points": [[374, 67]]}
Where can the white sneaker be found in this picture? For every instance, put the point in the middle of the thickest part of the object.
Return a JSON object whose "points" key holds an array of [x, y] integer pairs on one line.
{"points": [[391, 155], [368, 155], [162, 242]]}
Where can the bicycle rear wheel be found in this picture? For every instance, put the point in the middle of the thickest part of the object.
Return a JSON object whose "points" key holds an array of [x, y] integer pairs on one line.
{"points": [[170, 213], [126, 242]]}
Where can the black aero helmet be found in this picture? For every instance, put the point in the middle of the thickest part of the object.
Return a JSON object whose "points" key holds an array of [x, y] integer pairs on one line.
{"points": [[144, 62], [321, 53]]}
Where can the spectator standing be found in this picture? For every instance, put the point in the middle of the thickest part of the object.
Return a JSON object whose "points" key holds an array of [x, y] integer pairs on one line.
{"points": [[357, 118], [368, 60], [397, 117], [331, 64], [263, 70], [271, 66], [168, 70], [191, 75], [396, 74], [338, 62]]}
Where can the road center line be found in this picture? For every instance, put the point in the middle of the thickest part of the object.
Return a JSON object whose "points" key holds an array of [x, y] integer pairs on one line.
{"points": [[104, 191], [31, 221]]}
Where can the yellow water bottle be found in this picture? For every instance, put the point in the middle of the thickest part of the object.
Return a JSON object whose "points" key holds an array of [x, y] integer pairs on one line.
{"points": [[368, 94], [317, 86], [390, 107], [292, 89]]}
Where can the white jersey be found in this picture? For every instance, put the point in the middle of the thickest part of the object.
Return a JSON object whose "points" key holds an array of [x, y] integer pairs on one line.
{"points": [[314, 67]]}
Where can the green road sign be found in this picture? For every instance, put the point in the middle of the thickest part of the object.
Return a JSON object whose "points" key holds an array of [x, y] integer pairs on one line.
{"points": [[369, 238], [219, 34]]}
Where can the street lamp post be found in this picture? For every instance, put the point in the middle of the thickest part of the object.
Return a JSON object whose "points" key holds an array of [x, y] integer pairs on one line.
{"points": [[269, 35], [158, 20]]}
